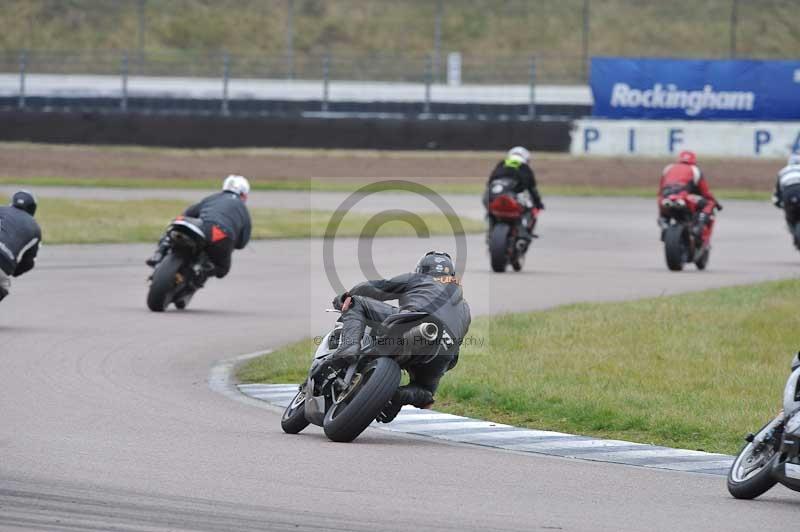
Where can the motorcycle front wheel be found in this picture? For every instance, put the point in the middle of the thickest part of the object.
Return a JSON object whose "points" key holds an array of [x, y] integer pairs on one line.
{"points": [[359, 405], [164, 283], [751, 472], [294, 417]]}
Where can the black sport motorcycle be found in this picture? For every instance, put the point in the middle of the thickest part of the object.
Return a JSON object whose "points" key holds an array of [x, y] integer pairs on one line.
{"points": [[184, 268], [505, 215], [345, 399], [773, 454], [681, 232]]}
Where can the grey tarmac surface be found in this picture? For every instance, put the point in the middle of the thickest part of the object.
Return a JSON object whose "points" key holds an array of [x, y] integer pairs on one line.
{"points": [[107, 421]]}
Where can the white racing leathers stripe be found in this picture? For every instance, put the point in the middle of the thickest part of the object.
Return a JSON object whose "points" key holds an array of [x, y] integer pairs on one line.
{"points": [[26, 247]]}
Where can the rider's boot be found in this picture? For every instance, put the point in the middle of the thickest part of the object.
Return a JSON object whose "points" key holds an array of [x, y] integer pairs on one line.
{"points": [[524, 237], [350, 339], [410, 394], [3, 293], [160, 253]]}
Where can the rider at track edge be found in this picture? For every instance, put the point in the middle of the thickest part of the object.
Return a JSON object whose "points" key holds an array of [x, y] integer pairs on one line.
{"points": [[20, 236], [787, 190], [226, 224], [433, 288], [516, 166], [686, 176]]}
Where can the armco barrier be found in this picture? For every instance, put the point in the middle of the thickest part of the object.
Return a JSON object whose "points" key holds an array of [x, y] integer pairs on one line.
{"points": [[197, 131], [667, 137]]}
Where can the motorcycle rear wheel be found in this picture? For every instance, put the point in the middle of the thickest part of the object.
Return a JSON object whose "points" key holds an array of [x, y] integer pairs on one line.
{"points": [[744, 484], [498, 247], [163, 283], [346, 420], [294, 417], [674, 247]]}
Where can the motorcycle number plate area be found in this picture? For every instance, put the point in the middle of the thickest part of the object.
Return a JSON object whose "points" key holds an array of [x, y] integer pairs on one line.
{"points": [[793, 471]]}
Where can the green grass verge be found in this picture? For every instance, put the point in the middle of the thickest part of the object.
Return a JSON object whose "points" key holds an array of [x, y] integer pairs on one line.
{"points": [[66, 221], [694, 371], [350, 186]]}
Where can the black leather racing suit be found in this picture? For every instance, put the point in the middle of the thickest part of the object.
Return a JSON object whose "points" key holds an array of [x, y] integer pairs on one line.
{"points": [[225, 211], [441, 297], [523, 176], [19, 242]]}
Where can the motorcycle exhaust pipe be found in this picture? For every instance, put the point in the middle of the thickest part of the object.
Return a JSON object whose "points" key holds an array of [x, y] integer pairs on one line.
{"points": [[429, 331], [424, 333]]}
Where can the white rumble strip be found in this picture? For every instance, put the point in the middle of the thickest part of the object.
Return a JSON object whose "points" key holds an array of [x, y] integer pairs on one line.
{"points": [[476, 432]]}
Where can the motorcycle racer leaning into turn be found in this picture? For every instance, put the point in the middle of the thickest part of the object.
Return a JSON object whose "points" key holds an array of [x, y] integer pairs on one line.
{"points": [[516, 166], [433, 288], [787, 190], [226, 224], [685, 176], [20, 236]]}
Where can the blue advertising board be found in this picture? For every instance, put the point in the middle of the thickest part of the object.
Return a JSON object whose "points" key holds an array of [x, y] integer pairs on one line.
{"points": [[694, 89]]}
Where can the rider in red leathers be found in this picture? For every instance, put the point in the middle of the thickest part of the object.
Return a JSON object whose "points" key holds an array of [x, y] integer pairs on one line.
{"points": [[686, 178]]}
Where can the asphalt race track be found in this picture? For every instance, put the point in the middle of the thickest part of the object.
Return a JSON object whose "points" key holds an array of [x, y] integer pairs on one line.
{"points": [[107, 421]]}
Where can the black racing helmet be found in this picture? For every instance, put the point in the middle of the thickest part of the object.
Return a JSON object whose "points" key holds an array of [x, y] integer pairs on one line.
{"points": [[436, 264], [25, 201]]}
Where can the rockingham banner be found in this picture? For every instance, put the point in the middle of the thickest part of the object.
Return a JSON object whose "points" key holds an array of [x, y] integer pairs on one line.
{"points": [[668, 137], [692, 89]]}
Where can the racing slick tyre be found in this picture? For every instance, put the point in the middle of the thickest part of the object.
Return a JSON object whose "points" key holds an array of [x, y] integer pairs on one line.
{"points": [[163, 283], [751, 472], [702, 260], [674, 247], [294, 417], [359, 405], [498, 247]]}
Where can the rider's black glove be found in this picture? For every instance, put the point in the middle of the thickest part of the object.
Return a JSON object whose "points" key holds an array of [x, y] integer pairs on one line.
{"points": [[719, 206], [338, 301], [540, 205]]}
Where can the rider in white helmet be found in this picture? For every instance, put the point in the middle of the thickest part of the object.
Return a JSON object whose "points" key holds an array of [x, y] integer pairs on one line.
{"points": [[787, 191], [226, 224]]}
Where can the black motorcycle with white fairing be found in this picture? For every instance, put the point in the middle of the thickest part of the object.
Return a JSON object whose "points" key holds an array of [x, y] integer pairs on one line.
{"points": [[184, 268], [772, 455], [344, 399]]}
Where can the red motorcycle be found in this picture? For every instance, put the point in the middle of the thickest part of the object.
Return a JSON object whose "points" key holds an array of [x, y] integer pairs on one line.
{"points": [[682, 230], [505, 214]]}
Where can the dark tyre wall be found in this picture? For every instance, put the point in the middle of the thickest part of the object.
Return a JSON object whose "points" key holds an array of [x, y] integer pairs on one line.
{"points": [[198, 131]]}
